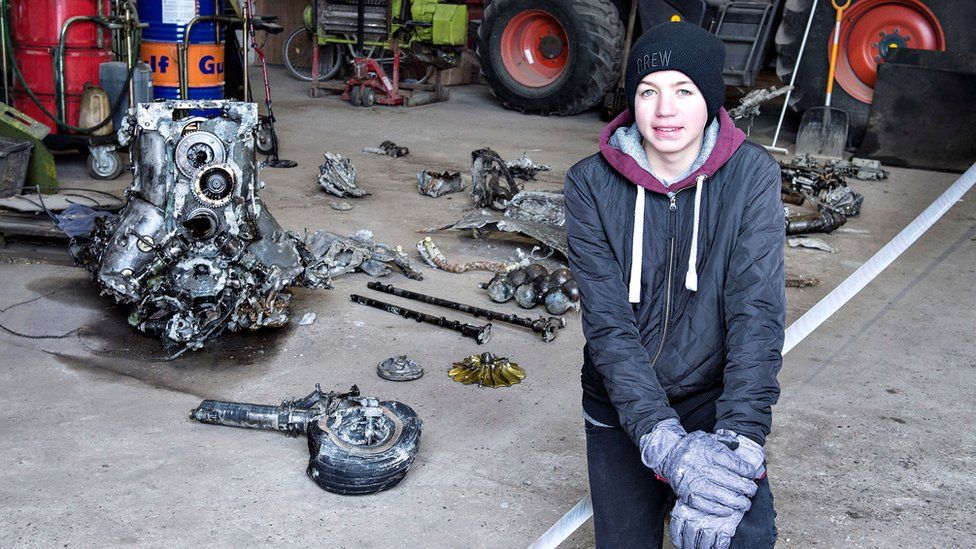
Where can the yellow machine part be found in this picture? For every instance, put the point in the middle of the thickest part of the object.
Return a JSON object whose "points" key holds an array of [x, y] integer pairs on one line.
{"points": [[487, 370], [449, 22]]}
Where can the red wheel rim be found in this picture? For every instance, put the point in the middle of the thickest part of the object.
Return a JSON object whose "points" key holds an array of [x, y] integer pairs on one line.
{"points": [[534, 48], [869, 32]]}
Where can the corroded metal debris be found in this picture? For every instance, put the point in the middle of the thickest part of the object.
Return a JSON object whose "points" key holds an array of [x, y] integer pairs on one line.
{"points": [[435, 184], [493, 180], [539, 215], [388, 148], [337, 176], [357, 444], [525, 168], [826, 221], [823, 185], [800, 281], [546, 207], [195, 252], [487, 370], [492, 183], [399, 368], [811, 244], [337, 255], [750, 103], [433, 257]]}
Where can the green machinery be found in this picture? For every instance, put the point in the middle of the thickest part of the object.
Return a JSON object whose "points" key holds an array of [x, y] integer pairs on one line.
{"points": [[433, 32]]}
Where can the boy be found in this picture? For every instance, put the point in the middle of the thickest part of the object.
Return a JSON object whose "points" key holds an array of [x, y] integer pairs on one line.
{"points": [[683, 297]]}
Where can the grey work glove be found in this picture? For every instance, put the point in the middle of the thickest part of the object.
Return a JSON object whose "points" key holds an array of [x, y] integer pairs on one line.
{"points": [[704, 473], [693, 529], [746, 449]]}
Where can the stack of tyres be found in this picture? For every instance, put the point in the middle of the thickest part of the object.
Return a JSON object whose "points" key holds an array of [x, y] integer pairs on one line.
{"points": [[168, 21], [36, 31]]}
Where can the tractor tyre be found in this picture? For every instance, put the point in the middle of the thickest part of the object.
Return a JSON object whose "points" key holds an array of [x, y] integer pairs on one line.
{"points": [[868, 30], [550, 57]]}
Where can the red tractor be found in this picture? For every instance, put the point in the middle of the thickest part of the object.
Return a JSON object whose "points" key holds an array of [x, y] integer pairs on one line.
{"points": [[563, 56]]}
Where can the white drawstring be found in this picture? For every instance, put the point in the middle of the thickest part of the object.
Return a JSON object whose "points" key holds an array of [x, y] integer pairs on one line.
{"points": [[637, 247], [637, 244], [691, 278]]}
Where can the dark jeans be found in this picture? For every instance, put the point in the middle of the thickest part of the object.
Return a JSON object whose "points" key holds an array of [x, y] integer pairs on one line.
{"points": [[629, 504]]}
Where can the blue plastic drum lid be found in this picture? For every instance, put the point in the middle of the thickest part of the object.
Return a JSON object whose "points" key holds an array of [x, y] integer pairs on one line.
{"points": [[168, 18]]}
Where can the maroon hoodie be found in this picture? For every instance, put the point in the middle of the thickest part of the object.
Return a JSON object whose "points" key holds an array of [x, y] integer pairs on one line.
{"points": [[729, 139]]}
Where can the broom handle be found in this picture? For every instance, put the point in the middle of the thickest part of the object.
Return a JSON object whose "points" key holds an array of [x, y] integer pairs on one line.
{"points": [[834, 47]]}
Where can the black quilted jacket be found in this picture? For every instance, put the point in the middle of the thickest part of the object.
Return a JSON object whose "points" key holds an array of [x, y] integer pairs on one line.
{"points": [[643, 361]]}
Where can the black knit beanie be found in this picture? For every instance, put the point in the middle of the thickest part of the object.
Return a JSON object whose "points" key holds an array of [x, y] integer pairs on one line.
{"points": [[679, 46]]}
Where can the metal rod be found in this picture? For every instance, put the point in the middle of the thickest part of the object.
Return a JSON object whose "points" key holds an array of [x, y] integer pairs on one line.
{"points": [[547, 328], [247, 46], [62, 109], [130, 57], [481, 334], [360, 22], [796, 69], [182, 48], [99, 12]]}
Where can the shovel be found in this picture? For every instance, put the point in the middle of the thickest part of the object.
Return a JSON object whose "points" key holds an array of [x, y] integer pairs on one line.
{"points": [[823, 130]]}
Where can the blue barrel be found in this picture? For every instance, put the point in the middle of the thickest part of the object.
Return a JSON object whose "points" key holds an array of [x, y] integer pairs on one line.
{"points": [[167, 21]]}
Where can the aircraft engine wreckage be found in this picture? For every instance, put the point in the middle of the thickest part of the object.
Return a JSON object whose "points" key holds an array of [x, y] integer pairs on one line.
{"points": [[539, 215], [337, 176], [358, 445], [194, 251]]}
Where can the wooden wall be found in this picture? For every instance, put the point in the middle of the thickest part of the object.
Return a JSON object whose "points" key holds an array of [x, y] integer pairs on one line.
{"points": [[289, 14]]}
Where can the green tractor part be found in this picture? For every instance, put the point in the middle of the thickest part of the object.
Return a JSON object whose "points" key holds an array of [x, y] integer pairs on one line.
{"points": [[448, 22], [41, 170], [416, 25]]}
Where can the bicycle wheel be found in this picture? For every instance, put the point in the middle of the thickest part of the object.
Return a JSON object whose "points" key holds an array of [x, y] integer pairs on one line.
{"points": [[297, 53]]}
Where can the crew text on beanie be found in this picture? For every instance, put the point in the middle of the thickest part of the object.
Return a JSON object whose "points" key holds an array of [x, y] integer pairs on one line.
{"points": [[684, 47]]}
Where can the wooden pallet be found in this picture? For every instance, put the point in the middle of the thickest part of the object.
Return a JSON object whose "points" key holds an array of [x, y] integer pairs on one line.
{"points": [[32, 238], [27, 224]]}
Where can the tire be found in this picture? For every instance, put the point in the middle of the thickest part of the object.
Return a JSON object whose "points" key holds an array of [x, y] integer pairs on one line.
{"points": [[356, 96], [593, 35], [297, 53], [811, 82], [341, 465], [263, 140], [110, 169], [369, 97]]}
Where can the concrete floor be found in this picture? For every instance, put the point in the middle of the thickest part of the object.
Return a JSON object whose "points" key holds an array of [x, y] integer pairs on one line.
{"points": [[872, 445]]}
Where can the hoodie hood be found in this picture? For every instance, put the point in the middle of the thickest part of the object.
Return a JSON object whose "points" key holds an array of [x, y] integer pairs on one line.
{"points": [[729, 140]]}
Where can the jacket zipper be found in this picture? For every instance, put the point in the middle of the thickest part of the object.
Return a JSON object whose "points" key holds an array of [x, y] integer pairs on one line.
{"points": [[667, 297], [667, 300]]}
